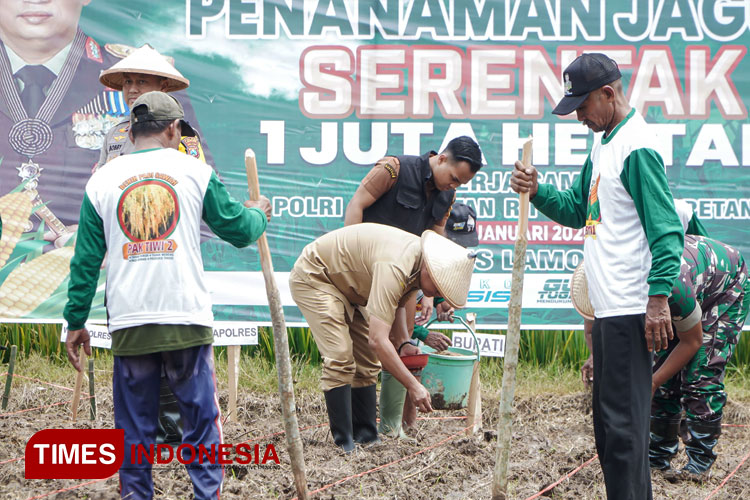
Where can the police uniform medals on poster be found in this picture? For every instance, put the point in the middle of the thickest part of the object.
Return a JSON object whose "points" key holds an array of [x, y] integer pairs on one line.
{"points": [[32, 136], [92, 122]]}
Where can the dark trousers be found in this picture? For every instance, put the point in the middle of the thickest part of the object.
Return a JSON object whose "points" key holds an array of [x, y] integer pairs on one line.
{"points": [[622, 404], [190, 374]]}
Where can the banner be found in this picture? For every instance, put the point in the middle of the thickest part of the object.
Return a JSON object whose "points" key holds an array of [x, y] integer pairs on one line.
{"points": [[321, 89], [225, 333]]}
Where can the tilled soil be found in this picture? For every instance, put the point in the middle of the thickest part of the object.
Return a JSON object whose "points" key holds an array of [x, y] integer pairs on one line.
{"points": [[552, 435]]}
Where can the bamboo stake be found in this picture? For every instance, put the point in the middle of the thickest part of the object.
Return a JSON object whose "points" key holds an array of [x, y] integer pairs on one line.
{"points": [[9, 378], [474, 419], [281, 344], [504, 426], [92, 396], [79, 384], [233, 362]]}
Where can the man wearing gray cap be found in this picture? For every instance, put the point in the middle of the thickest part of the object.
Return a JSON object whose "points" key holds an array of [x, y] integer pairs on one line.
{"points": [[632, 247], [145, 209]]}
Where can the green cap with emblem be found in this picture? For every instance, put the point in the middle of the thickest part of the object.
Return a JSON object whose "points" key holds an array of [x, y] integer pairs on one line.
{"points": [[158, 106]]}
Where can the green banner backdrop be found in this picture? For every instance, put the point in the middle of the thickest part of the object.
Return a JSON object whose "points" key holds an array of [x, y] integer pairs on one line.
{"points": [[320, 90]]}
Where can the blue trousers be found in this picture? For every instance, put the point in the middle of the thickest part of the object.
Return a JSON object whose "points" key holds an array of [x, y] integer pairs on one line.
{"points": [[190, 375]]}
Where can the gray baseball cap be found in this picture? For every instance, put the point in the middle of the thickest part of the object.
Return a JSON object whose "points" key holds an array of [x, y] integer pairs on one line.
{"points": [[462, 225], [159, 106]]}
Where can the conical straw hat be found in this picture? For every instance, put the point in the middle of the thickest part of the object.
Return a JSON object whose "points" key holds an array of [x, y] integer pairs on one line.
{"points": [[579, 293], [147, 61], [450, 266]]}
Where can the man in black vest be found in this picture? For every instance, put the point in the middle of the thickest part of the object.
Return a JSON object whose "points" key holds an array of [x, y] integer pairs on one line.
{"points": [[412, 193]]}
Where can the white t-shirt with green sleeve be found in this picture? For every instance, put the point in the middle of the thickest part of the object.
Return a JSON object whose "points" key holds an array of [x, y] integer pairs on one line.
{"points": [[633, 234], [145, 209]]}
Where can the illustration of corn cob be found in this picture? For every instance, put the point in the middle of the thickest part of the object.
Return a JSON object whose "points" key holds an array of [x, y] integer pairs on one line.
{"points": [[31, 283], [15, 209]]}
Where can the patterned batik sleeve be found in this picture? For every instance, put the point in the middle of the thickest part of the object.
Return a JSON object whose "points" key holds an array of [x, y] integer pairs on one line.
{"points": [[683, 304]]}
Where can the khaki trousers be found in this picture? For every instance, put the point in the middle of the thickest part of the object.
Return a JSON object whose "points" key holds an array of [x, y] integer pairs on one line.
{"points": [[347, 357]]}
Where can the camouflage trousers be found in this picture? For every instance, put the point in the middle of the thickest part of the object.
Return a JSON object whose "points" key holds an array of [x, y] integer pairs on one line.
{"points": [[699, 387]]}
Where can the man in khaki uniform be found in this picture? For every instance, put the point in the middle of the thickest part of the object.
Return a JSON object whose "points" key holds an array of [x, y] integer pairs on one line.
{"points": [[144, 70], [348, 284]]}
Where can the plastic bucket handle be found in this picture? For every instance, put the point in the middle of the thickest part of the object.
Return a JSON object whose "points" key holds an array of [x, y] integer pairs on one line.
{"points": [[469, 328]]}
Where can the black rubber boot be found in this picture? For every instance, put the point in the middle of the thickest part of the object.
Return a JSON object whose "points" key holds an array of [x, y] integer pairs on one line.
{"points": [[169, 430], [364, 412], [663, 442], [700, 448], [339, 406]]}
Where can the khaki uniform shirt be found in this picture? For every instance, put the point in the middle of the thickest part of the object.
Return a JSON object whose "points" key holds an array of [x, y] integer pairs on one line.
{"points": [[117, 142], [373, 266]]}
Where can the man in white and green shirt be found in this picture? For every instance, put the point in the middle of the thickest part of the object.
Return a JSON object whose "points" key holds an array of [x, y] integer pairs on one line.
{"points": [[145, 212], [632, 248]]}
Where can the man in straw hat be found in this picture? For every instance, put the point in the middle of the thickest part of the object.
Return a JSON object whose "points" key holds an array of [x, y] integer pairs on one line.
{"points": [[348, 284], [143, 70], [145, 209], [395, 410], [632, 247], [413, 193]]}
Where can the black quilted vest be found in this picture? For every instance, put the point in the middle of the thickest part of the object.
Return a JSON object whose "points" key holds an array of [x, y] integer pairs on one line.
{"points": [[405, 206]]}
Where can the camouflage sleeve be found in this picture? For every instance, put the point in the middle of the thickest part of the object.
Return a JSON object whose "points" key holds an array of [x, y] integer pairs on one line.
{"points": [[683, 304]]}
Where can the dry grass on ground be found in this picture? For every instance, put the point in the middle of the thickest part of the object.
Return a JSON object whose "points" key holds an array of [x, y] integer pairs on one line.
{"points": [[552, 436]]}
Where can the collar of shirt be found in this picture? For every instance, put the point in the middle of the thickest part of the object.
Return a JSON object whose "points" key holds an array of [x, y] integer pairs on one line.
{"points": [[429, 184], [54, 64]]}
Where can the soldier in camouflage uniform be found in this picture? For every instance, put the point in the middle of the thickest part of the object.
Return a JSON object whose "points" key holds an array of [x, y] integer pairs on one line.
{"points": [[712, 291]]}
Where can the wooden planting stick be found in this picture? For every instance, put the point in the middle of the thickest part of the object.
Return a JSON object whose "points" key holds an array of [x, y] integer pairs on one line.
{"points": [[504, 427], [233, 369], [9, 378], [92, 397], [474, 418], [79, 383], [281, 344]]}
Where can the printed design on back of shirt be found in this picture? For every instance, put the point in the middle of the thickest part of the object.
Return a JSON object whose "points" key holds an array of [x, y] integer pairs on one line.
{"points": [[593, 211], [148, 213]]}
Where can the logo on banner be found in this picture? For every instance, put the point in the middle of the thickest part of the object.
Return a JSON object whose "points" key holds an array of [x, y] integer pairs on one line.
{"points": [[488, 296], [554, 291]]}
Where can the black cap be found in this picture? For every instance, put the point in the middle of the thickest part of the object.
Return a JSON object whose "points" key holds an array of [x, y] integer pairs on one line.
{"points": [[461, 227], [159, 106], [588, 72]]}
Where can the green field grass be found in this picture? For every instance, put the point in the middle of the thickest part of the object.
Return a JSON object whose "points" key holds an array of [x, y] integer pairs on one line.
{"points": [[548, 360]]}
